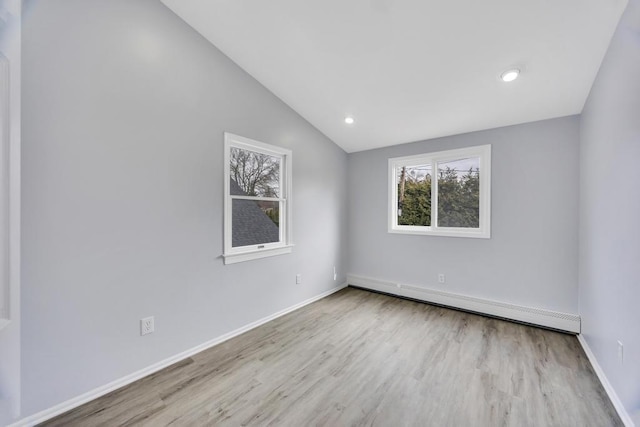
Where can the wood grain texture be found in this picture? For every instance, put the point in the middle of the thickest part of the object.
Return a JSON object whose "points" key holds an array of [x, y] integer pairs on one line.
{"points": [[360, 358]]}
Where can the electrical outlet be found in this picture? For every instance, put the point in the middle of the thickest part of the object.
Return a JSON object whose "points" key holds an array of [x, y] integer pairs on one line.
{"points": [[620, 352], [147, 325], [335, 274], [441, 278], [298, 279]]}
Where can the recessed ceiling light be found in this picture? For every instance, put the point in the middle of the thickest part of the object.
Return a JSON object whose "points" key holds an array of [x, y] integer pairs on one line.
{"points": [[349, 120], [510, 75]]}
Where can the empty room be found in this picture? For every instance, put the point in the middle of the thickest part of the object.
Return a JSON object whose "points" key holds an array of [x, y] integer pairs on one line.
{"points": [[292, 213]]}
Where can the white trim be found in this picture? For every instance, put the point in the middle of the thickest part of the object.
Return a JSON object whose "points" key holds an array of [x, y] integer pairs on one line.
{"points": [[63, 407], [233, 258], [613, 396], [284, 245], [257, 198], [5, 191], [535, 316], [483, 152], [441, 231]]}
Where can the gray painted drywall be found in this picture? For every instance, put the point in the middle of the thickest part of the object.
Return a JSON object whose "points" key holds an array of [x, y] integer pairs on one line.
{"points": [[531, 258], [610, 210], [10, 334], [124, 112]]}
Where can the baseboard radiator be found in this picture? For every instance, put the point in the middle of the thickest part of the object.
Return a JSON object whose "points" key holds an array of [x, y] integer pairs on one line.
{"points": [[565, 322]]}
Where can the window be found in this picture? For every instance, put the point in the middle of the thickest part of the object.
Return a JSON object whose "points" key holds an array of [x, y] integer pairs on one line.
{"points": [[447, 193], [257, 208]]}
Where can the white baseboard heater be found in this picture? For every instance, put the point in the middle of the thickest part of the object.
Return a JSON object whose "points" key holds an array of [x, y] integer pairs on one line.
{"points": [[535, 316]]}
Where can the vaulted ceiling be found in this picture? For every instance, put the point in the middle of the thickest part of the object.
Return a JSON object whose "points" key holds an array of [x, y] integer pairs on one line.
{"points": [[409, 70]]}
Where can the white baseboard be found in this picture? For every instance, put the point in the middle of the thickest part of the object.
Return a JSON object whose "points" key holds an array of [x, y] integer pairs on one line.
{"points": [[622, 412], [536, 316], [63, 407]]}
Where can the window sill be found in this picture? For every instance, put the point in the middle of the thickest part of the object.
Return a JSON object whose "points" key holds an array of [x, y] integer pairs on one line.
{"points": [[256, 254], [475, 234]]}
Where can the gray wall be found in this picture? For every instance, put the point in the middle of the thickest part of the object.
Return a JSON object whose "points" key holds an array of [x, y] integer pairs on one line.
{"points": [[10, 334], [610, 211], [124, 112], [531, 258]]}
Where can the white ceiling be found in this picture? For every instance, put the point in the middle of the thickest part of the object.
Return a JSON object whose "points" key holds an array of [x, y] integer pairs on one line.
{"points": [[409, 70]]}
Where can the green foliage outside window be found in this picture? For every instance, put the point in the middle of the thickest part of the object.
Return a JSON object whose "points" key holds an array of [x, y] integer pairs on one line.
{"points": [[458, 199], [416, 206], [274, 215]]}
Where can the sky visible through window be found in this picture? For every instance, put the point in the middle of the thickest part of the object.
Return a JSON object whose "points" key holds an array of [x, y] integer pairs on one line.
{"points": [[461, 167]]}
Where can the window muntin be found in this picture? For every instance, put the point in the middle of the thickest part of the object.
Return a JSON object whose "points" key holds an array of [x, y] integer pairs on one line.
{"points": [[257, 199], [444, 193]]}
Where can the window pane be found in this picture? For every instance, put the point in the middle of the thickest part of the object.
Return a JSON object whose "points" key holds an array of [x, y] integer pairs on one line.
{"points": [[414, 195], [459, 193], [254, 174], [254, 222]]}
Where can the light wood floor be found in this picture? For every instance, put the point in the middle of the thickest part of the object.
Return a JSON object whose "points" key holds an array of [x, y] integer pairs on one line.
{"points": [[360, 358]]}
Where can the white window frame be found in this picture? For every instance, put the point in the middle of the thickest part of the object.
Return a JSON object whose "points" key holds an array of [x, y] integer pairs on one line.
{"points": [[434, 159], [5, 192], [285, 244]]}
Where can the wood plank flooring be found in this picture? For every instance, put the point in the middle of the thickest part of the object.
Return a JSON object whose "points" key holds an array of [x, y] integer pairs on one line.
{"points": [[360, 358]]}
